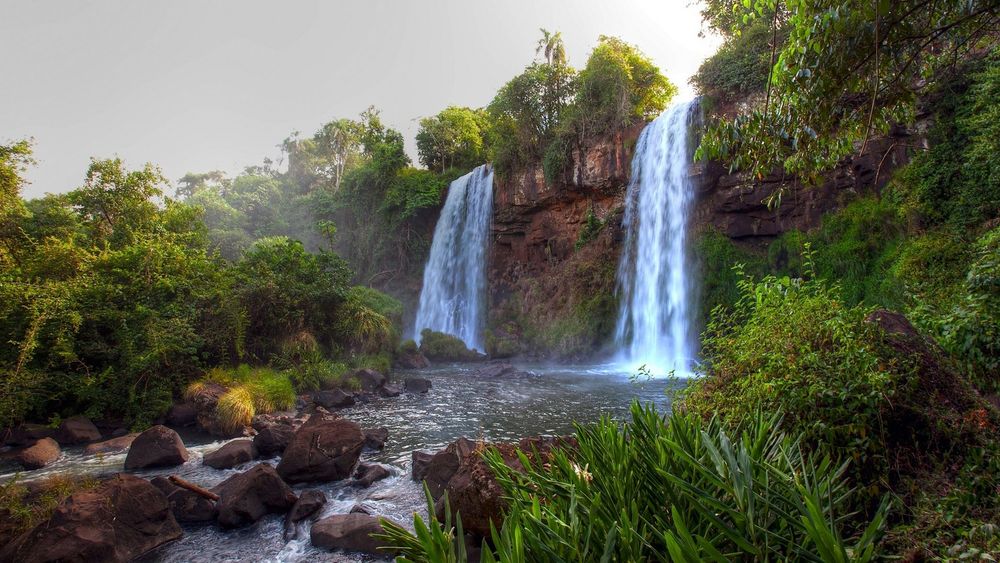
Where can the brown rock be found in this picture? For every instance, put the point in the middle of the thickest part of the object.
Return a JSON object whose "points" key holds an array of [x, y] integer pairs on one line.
{"points": [[375, 438], [351, 532], [369, 379], [231, 454], [440, 467], [271, 440], [367, 474], [158, 446], [332, 399], [246, 497], [308, 506], [186, 505], [77, 430], [118, 521], [182, 415], [27, 434], [416, 385], [39, 454], [325, 448], [114, 445]]}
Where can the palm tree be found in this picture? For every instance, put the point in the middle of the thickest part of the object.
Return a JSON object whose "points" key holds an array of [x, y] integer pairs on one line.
{"points": [[552, 47]]}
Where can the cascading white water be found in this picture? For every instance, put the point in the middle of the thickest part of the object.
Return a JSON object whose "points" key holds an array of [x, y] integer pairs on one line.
{"points": [[654, 325], [451, 300]]}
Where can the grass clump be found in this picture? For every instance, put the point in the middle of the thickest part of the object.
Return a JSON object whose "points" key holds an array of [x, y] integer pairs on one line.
{"points": [[250, 391], [753, 495]]}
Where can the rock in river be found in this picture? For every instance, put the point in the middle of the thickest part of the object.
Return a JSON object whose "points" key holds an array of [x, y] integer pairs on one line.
{"points": [[325, 448], [352, 532], [157, 447], [118, 521], [39, 454], [231, 454], [246, 497]]}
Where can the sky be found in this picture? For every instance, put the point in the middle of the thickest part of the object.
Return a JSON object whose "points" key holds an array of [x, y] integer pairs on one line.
{"points": [[194, 85]]}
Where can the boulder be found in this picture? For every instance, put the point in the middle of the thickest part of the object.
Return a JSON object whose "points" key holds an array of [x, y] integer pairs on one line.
{"points": [[272, 437], [246, 497], [419, 462], [332, 399], [182, 415], [27, 434], [391, 390], [370, 473], [416, 385], [118, 521], [369, 379], [439, 468], [351, 532], [158, 446], [77, 430], [362, 509], [114, 445], [205, 399], [186, 506], [39, 454], [308, 506], [411, 359], [375, 438], [500, 369], [325, 448], [231, 454]]}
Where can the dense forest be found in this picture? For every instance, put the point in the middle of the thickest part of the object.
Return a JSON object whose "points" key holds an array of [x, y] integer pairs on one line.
{"points": [[846, 403]]}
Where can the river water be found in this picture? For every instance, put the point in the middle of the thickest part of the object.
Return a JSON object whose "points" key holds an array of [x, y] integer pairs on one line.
{"points": [[459, 404]]}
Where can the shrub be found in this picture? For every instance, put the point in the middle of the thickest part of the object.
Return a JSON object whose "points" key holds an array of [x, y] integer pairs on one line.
{"points": [[655, 487], [379, 362], [717, 255], [444, 347], [591, 228]]}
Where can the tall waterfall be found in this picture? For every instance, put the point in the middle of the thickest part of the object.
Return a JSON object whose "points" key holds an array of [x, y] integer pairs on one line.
{"points": [[451, 300], [654, 287]]}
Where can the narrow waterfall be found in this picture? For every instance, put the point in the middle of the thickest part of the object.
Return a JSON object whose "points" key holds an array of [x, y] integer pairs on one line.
{"points": [[451, 300], [654, 286]]}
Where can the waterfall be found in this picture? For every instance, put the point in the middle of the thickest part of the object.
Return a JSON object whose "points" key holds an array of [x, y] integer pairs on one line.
{"points": [[654, 286], [451, 300]]}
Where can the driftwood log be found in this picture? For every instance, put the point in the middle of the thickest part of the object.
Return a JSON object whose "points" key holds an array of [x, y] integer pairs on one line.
{"points": [[193, 488]]}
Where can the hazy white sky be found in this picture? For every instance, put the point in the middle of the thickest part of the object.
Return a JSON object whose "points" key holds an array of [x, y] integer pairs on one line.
{"points": [[198, 85]]}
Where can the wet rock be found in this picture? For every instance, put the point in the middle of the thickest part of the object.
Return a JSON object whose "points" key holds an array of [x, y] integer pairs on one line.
{"points": [[440, 467], [369, 379], [419, 462], [118, 521], [332, 399], [391, 390], [325, 448], [157, 447], [77, 430], [375, 438], [362, 509], [411, 359], [246, 497], [272, 440], [27, 434], [231, 454], [500, 369], [186, 506], [112, 446], [370, 473], [351, 532], [308, 506], [416, 385], [182, 415], [39, 454]]}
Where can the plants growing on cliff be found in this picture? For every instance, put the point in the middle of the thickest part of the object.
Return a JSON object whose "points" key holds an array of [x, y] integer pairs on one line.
{"points": [[452, 139], [847, 71]]}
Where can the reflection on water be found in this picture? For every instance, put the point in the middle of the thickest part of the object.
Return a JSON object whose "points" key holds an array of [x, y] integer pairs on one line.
{"points": [[459, 404]]}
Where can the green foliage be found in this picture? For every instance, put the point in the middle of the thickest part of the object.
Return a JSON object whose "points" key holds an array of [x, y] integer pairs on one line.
{"points": [[739, 69], [848, 70], [755, 495], [432, 541], [452, 139], [619, 86], [591, 228], [793, 346], [857, 246], [367, 320], [717, 258], [381, 362], [957, 181], [444, 347]]}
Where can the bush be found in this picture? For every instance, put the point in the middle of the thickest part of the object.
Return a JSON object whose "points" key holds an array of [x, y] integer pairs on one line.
{"points": [[740, 67], [717, 256], [677, 487], [444, 347], [379, 362]]}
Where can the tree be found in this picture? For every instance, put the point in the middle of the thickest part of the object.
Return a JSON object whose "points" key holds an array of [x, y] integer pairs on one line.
{"points": [[551, 46], [14, 159], [452, 138], [115, 202], [848, 70]]}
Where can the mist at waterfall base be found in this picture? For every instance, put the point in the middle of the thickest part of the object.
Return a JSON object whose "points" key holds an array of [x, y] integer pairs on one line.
{"points": [[451, 300], [654, 284]]}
